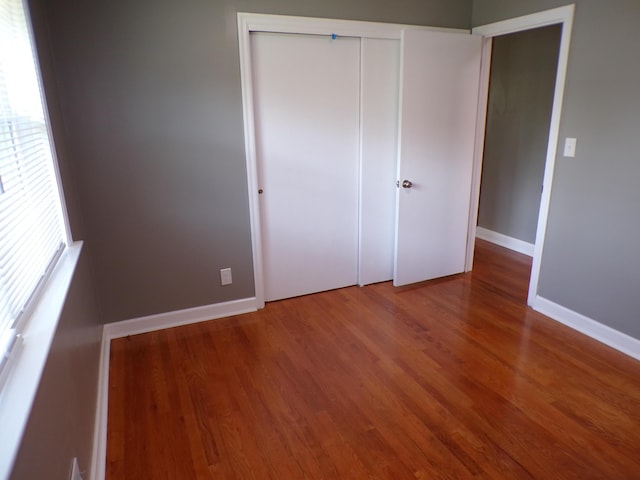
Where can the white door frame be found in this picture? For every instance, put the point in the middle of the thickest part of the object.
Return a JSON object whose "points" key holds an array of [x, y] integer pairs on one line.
{"points": [[249, 22], [564, 16]]}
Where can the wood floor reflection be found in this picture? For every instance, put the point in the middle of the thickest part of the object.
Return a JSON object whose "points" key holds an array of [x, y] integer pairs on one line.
{"points": [[450, 379]]}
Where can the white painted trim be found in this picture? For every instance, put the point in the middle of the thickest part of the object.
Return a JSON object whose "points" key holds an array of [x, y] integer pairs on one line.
{"points": [[62, 206], [177, 318], [257, 22], [596, 330], [505, 241], [99, 452], [246, 82], [552, 147], [24, 375], [527, 22], [143, 325], [562, 15], [478, 151], [251, 22]]}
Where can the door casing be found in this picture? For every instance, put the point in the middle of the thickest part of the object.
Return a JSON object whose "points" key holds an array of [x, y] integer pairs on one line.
{"points": [[249, 22], [563, 16]]}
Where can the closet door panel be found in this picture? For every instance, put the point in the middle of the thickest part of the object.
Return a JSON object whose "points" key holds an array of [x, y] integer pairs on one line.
{"points": [[306, 106], [379, 129], [439, 101]]}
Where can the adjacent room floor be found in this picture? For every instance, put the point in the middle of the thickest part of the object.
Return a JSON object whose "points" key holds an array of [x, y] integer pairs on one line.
{"points": [[450, 379]]}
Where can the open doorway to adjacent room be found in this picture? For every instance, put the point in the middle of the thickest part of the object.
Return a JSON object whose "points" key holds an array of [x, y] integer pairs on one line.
{"points": [[524, 69], [521, 89]]}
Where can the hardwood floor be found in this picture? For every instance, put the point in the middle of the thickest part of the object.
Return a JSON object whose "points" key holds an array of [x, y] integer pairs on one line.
{"points": [[450, 379]]}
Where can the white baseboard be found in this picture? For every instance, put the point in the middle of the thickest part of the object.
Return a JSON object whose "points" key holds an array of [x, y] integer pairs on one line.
{"points": [[505, 241], [596, 330], [161, 321], [144, 325]]}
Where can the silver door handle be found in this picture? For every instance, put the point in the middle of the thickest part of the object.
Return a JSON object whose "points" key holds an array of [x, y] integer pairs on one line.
{"points": [[406, 184]]}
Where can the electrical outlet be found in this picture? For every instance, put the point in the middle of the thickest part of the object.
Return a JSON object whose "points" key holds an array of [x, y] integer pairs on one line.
{"points": [[225, 276], [570, 147], [75, 470]]}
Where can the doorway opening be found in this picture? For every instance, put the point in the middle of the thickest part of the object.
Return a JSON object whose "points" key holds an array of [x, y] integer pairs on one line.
{"points": [[521, 89], [519, 122]]}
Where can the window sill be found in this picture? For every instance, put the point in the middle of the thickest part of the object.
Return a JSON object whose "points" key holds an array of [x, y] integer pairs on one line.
{"points": [[18, 394]]}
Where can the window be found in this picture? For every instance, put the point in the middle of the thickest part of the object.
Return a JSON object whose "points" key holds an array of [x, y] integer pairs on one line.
{"points": [[32, 229]]}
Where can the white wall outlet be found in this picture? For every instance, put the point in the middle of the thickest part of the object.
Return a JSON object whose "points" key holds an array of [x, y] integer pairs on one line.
{"points": [[570, 147], [225, 276], [75, 470]]}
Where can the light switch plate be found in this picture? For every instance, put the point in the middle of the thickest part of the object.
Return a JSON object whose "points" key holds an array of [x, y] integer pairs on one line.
{"points": [[570, 147]]}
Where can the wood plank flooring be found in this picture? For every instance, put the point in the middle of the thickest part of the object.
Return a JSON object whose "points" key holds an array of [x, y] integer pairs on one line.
{"points": [[450, 379]]}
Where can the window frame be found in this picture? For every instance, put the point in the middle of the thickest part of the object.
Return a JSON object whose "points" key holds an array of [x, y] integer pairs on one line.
{"points": [[37, 324]]}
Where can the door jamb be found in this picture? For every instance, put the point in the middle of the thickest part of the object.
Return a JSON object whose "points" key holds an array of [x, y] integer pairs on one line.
{"points": [[564, 16], [250, 22]]}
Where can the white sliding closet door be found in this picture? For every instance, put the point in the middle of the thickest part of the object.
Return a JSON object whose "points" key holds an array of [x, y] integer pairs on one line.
{"points": [[379, 124], [306, 107]]}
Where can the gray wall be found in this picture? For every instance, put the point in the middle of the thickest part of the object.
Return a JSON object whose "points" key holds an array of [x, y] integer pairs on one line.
{"points": [[152, 158], [145, 104], [151, 100], [61, 422], [590, 262], [523, 75]]}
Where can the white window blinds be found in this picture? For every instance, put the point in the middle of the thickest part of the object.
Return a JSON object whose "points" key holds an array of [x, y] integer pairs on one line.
{"points": [[32, 232]]}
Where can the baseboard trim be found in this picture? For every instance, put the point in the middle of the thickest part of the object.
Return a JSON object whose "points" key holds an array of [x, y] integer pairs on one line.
{"points": [[143, 325], [177, 318], [505, 241], [596, 330]]}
